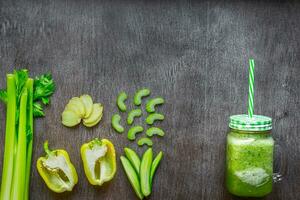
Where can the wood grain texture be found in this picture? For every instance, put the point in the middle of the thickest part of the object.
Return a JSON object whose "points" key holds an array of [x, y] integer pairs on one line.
{"points": [[192, 53]]}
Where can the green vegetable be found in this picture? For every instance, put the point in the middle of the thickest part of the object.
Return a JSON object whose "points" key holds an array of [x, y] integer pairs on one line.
{"points": [[132, 176], [22, 163], [133, 131], [133, 158], [44, 87], [3, 96], [82, 108], [132, 114], [21, 77], [57, 170], [150, 106], [155, 131], [76, 105], [38, 110], [145, 170], [29, 136], [99, 161], [155, 164], [95, 116], [140, 173], [24, 98], [146, 141], [153, 117], [70, 119], [115, 122], [10, 139], [88, 104], [139, 95], [121, 101]]}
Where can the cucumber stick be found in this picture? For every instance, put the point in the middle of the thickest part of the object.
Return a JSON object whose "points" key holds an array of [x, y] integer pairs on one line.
{"points": [[132, 176], [145, 170], [133, 158], [155, 164]]}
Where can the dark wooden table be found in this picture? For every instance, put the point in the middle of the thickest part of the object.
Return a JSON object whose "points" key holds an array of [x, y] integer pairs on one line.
{"points": [[195, 54]]}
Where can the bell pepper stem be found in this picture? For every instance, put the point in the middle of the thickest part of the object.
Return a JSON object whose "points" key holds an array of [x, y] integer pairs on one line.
{"points": [[96, 141], [46, 149]]}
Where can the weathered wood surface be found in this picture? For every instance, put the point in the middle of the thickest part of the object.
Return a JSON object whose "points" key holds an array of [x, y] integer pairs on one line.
{"points": [[192, 53]]}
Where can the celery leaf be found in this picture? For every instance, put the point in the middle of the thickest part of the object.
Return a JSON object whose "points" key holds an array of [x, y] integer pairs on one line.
{"points": [[43, 87], [3, 96], [46, 100], [29, 135], [21, 77], [38, 110]]}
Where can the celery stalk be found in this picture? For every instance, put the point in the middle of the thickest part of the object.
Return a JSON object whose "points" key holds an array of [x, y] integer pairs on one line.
{"points": [[8, 161], [29, 137], [23, 97], [17, 191]]}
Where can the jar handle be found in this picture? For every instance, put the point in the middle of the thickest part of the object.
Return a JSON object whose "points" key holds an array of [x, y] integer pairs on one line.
{"points": [[280, 163]]}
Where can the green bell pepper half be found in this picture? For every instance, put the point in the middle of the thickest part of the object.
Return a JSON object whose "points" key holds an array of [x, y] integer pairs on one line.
{"points": [[57, 170], [99, 161]]}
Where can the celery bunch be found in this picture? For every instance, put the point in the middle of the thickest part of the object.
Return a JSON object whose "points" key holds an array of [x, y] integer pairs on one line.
{"points": [[24, 98]]}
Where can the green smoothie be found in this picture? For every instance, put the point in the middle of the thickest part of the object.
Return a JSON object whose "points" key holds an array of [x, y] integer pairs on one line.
{"points": [[249, 163]]}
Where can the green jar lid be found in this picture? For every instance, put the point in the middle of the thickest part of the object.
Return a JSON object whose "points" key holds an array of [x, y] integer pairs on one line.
{"points": [[245, 123]]}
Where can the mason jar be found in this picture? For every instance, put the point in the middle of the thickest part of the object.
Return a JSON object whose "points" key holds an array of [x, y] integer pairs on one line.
{"points": [[249, 157]]}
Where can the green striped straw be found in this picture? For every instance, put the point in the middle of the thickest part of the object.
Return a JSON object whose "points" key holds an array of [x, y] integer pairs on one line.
{"points": [[251, 88]]}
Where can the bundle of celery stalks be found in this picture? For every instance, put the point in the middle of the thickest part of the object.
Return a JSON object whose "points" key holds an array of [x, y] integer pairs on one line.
{"points": [[24, 98]]}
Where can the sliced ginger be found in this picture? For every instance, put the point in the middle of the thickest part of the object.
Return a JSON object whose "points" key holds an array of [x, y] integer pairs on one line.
{"points": [[88, 104], [82, 108], [77, 106], [70, 118], [95, 117]]}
